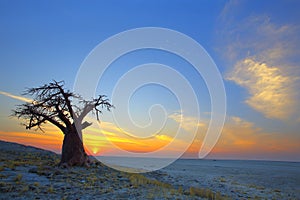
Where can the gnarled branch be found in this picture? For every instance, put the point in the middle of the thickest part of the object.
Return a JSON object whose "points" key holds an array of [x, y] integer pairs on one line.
{"points": [[52, 103]]}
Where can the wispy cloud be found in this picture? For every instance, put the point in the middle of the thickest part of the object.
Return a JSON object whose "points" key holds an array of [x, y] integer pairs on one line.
{"points": [[243, 139], [263, 56], [16, 97], [108, 137], [269, 88], [188, 123]]}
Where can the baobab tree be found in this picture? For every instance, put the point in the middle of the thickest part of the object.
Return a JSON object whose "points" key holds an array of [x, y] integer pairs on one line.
{"points": [[54, 104]]}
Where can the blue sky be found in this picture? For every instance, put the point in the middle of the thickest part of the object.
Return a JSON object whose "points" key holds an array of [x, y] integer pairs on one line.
{"points": [[253, 43]]}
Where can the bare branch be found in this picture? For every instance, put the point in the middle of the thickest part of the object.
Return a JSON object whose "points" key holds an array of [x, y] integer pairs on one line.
{"points": [[66, 96], [52, 103], [85, 124], [94, 105]]}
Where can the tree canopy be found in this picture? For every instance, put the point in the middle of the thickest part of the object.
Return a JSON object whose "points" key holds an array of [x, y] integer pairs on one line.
{"points": [[52, 103], [64, 109]]}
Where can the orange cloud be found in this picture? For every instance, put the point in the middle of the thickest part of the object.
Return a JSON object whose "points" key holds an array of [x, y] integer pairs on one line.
{"points": [[100, 140], [244, 140]]}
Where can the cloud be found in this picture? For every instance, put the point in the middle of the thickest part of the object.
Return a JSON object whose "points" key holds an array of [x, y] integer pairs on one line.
{"points": [[240, 138], [244, 140], [164, 137], [269, 88], [262, 56], [239, 122], [108, 136], [188, 123], [16, 97]]}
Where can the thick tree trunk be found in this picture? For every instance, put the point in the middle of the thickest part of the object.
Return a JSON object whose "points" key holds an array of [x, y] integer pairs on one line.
{"points": [[73, 153]]}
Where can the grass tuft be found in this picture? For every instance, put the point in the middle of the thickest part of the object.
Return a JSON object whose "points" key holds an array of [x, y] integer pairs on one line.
{"points": [[205, 193]]}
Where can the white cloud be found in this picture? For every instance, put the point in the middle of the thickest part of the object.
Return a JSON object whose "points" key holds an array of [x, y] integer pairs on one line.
{"points": [[263, 56], [239, 122]]}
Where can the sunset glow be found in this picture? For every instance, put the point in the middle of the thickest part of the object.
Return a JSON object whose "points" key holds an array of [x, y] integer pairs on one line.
{"points": [[255, 49]]}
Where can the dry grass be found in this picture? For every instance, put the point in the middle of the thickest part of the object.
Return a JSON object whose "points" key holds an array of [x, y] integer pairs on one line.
{"points": [[138, 180], [206, 193], [107, 182]]}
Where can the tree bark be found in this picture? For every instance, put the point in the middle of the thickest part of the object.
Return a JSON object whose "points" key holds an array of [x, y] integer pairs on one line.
{"points": [[73, 153]]}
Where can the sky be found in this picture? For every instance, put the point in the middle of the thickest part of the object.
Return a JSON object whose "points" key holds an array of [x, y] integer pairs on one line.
{"points": [[254, 44]]}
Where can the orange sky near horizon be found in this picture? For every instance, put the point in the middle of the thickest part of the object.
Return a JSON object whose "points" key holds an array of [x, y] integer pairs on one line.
{"points": [[252, 144]]}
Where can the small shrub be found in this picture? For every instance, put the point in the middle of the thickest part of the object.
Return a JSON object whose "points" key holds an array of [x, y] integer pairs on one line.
{"points": [[173, 192], [180, 190], [36, 184], [257, 187], [218, 196], [6, 187], [18, 178], [222, 180], [51, 189], [2, 184], [25, 188], [3, 176], [11, 165]]}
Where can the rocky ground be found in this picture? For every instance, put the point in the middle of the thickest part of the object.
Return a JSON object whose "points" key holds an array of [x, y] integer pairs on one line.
{"points": [[31, 173]]}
